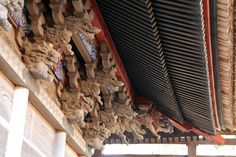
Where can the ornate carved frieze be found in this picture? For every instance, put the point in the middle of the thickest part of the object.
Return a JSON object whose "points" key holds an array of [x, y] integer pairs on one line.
{"points": [[58, 35], [39, 57], [95, 136], [76, 109], [81, 25], [93, 90]]}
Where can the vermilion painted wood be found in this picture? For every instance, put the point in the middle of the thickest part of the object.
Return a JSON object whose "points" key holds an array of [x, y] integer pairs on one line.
{"points": [[105, 36], [206, 11], [186, 127]]}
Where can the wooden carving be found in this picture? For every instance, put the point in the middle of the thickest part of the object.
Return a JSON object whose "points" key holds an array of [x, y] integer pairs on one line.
{"points": [[76, 109], [155, 122], [110, 120], [78, 6], [71, 63], [38, 57], [128, 120], [82, 26], [57, 12], [108, 61], [107, 102], [9, 6], [58, 35], [109, 80], [95, 136], [37, 18], [91, 88], [73, 79], [67, 49], [36, 25], [90, 70]]}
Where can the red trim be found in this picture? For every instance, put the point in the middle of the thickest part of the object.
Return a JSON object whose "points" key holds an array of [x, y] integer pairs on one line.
{"points": [[186, 127], [141, 100], [217, 139], [206, 7], [105, 36]]}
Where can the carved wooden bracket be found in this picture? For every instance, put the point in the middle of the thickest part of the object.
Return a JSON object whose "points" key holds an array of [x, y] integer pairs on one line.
{"points": [[78, 6], [58, 35], [90, 70], [38, 56], [37, 18], [107, 102], [71, 63], [73, 79], [57, 12]]}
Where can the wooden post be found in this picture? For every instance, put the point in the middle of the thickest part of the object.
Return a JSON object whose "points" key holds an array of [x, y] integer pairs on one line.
{"points": [[59, 144], [97, 153], [192, 149], [17, 122]]}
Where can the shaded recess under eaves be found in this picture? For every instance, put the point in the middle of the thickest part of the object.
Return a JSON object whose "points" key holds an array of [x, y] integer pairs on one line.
{"points": [[162, 46], [182, 33], [133, 29]]}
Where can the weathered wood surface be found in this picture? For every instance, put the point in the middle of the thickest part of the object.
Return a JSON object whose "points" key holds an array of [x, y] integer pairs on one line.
{"points": [[39, 132], [17, 72], [69, 152], [6, 97], [225, 13]]}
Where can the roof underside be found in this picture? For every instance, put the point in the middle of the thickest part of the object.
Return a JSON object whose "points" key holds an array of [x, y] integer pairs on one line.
{"points": [[162, 46]]}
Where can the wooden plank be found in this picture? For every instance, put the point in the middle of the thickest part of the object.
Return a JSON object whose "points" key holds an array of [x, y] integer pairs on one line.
{"points": [[192, 149], [69, 152], [17, 123], [97, 153], [28, 150], [38, 132], [59, 144], [82, 49], [15, 69]]}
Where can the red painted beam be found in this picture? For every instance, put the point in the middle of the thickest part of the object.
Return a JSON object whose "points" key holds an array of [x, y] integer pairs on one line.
{"points": [[142, 100], [105, 36], [206, 11], [186, 127], [217, 139]]}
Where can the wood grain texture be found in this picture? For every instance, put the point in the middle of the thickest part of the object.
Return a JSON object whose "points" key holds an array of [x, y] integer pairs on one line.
{"points": [[226, 51]]}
